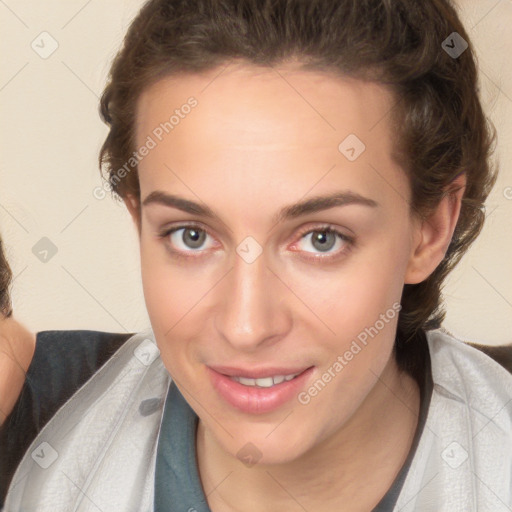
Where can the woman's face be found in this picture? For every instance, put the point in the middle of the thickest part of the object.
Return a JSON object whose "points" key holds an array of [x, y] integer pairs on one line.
{"points": [[247, 285]]}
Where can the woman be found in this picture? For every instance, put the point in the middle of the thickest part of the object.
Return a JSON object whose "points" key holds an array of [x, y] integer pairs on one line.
{"points": [[302, 176]]}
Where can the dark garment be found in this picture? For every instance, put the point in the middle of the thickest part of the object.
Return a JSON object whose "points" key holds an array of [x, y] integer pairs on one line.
{"points": [[64, 360]]}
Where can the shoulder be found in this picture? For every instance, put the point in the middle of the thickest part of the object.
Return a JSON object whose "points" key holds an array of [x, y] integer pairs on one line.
{"points": [[454, 355], [470, 376], [500, 353], [115, 411], [71, 357], [62, 362], [447, 345], [80, 340], [467, 434]]}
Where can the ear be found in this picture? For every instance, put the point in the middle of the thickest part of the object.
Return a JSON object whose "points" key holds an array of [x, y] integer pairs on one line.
{"points": [[435, 233], [133, 205]]}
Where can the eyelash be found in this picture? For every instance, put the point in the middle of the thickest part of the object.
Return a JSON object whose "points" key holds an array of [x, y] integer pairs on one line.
{"points": [[326, 228]]}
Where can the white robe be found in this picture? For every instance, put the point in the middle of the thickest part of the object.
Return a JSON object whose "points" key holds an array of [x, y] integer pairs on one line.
{"points": [[99, 451]]}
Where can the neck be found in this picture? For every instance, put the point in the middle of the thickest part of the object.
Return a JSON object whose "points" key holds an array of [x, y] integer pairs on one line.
{"points": [[335, 475]]}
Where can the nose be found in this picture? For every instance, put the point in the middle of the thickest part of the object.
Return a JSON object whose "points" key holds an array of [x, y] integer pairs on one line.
{"points": [[253, 311]]}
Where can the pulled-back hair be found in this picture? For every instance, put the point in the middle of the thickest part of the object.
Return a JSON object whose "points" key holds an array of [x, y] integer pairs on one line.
{"points": [[5, 281], [440, 127]]}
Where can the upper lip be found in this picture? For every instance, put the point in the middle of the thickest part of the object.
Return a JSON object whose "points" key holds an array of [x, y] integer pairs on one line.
{"points": [[258, 373]]}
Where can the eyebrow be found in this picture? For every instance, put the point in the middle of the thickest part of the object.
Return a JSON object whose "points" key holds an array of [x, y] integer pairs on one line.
{"points": [[293, 211]]}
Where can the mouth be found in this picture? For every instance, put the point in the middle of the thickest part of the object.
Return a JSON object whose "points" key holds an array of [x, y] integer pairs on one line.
{"points": [[258, 392]]}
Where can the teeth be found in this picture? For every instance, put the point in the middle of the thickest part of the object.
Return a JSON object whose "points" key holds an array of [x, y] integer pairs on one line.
{"points": [[246, 382], [266, 382]]}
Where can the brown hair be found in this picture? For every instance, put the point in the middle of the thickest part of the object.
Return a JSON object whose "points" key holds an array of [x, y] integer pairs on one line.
{"points": [[5, 281], [441, 129]]}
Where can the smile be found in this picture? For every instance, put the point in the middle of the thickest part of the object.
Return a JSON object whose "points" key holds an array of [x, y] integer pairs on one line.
{"points": [[258, 394]]}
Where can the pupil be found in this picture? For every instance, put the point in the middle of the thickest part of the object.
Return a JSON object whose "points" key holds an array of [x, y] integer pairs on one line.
{"points": [[193, 238], [322, 237]]}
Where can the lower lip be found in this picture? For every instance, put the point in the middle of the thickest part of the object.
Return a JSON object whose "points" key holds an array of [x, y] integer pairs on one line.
{"points": [[256, 400]]}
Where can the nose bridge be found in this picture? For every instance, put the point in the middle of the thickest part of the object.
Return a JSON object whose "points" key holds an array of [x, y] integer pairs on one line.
{"points": [[250, 314]]}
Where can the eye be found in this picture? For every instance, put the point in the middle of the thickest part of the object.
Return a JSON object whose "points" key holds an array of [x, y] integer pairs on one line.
{"points": [[186, 238], [324, 239]]}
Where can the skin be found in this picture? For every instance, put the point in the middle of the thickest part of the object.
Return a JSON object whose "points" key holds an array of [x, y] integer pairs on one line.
{"points": [[17, 346], [261, 139]]}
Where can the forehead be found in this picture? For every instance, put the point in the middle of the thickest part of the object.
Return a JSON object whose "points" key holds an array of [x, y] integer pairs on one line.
{"points": [[273, 99], [251, 119]]}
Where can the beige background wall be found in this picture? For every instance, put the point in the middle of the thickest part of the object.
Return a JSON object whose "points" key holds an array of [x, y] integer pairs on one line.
{"points": [[50, 134]]}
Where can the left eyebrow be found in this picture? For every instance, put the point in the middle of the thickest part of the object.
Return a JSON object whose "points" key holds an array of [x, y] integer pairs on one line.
{"points": [[293, 211], [320, 203]]}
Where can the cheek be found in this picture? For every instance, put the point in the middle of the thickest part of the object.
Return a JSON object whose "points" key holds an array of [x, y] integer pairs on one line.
{"points": [[165, 305], [176, 298], [165, 297], [361, 308], [354, 298], [169, 288]]}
